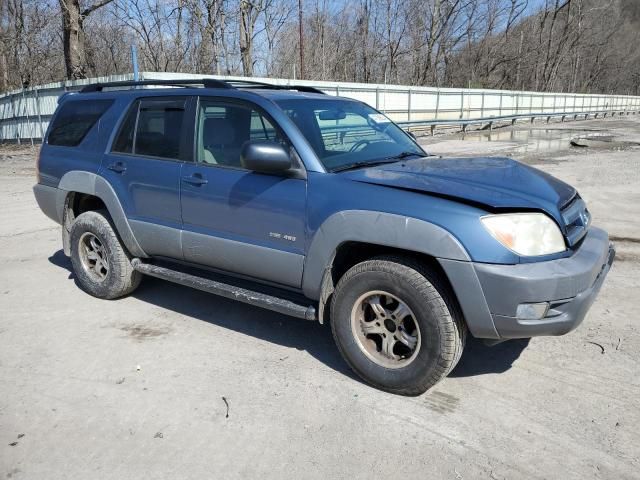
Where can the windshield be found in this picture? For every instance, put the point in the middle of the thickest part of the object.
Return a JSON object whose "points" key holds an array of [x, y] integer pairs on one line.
{"points": [[346, 134]]}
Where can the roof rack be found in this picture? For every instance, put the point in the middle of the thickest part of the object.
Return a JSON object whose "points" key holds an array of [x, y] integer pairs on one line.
{"points": [[271, 86], [205, 82]]}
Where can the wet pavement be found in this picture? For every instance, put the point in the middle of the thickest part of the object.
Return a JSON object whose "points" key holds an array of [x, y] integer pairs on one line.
{"points": [[534, 143]]}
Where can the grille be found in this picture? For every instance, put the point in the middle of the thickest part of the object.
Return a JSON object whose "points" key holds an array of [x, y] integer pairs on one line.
{"points": [[576, 220]]}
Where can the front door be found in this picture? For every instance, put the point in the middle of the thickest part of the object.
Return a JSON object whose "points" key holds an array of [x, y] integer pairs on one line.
{"points": [[234, 219], [144, 166]]}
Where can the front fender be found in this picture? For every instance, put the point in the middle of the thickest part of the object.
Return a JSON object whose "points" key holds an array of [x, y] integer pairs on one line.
{"points": [[405, 233], [377, 228]]}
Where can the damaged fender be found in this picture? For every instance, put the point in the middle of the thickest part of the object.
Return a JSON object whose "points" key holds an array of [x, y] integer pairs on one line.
{"points": [[376, 228]]}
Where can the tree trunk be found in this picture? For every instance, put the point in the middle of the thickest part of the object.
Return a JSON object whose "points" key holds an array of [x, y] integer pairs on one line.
{"points": [[73, 37], [246, 37]]}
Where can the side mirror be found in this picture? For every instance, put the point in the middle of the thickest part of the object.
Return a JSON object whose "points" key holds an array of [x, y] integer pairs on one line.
{"points": [[265, 157]]}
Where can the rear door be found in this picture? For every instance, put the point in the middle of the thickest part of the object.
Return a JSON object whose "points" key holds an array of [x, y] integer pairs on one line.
{"points": [[144, 166], [234, 219]]}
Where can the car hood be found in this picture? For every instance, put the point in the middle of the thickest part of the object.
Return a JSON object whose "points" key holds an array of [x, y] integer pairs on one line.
{"points": [[496, 183]]}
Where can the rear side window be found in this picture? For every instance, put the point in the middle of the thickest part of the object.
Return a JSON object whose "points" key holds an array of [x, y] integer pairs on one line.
{"points": [[153, 127], [74, 120]]}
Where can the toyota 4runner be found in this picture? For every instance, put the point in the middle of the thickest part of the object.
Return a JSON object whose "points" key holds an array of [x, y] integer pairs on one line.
{"points": [[320, 208]]}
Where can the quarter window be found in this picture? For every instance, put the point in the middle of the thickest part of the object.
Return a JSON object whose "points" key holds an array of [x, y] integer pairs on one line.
{"points": [[74, 120]]}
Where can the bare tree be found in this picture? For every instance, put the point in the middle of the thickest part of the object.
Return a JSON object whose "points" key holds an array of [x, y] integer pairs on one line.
{"points": [[566, 45], [250, 10], [73, 16]]}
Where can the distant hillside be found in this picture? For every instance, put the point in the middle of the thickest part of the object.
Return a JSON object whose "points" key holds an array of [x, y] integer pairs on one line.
{"points": [[580, 46]]}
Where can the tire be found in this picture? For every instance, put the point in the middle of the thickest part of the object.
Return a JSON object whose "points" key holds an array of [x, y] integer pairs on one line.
{"points": [[431, 336], [111, 276]]}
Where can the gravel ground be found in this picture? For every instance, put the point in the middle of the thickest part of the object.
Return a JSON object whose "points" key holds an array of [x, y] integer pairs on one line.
{"points": [[174, 383]]}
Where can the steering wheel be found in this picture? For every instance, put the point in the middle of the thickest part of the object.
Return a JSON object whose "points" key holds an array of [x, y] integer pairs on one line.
{"points": [[360, 143]]}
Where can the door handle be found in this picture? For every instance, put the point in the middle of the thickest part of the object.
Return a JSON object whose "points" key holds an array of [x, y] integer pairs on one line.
{"points": [[195, 179], [117, 167]]}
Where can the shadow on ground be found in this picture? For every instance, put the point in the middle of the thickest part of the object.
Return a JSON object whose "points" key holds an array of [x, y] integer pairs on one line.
{"points": [[273, 327], [480, 359], [311, 337]]}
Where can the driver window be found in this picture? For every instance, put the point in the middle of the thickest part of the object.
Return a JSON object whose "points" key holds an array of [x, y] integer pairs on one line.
{"points": [[224, 128]]}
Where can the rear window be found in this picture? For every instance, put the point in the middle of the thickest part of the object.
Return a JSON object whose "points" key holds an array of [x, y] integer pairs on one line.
{"points": [[152, 128], [74, 120]]}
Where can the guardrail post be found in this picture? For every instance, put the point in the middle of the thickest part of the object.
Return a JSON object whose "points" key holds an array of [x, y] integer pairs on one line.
{"points": [[39, 115], [531, 105], [26, 112], [409, 105], [500, 107], [437, 105], [15, 123], [377, 98], [482, 106], [461, 104]]}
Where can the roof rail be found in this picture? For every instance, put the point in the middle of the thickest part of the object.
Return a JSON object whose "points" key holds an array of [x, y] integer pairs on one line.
{"points": [[271, 86], [206, 82]]}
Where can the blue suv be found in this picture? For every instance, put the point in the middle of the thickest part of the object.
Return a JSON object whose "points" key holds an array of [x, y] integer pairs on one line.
{"points": [[320, 208]]}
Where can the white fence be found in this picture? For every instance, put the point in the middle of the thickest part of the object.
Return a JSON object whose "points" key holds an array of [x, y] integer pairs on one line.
{"points": [[25, 114]]}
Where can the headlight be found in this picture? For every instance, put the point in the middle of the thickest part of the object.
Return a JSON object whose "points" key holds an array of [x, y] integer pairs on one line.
{"points": [[526, 234]]}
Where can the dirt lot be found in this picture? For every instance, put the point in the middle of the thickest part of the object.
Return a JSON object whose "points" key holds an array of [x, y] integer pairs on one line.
{"points": [[139, 387]]}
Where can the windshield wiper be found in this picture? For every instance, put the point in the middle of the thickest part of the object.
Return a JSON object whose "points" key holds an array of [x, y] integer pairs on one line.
{"points": [[373, 163], [402, 155], [353, 166]]}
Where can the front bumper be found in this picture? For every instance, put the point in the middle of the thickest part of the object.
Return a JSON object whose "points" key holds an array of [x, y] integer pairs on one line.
{"points": [[570, 285]]}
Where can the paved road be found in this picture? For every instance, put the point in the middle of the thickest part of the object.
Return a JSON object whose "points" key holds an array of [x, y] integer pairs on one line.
{"points": [[136, 388]]}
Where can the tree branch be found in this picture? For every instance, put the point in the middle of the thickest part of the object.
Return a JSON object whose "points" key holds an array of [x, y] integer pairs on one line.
{"points": [[87, 11]]}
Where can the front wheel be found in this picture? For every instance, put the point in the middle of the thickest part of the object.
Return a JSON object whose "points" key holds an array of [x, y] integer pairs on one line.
{"points": [[397, 325]]}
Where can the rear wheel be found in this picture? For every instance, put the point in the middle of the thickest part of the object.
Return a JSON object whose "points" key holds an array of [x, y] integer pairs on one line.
{"points": [[397, 325], [100, 262]]}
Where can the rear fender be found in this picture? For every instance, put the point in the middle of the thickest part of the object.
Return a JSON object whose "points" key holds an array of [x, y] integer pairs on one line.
{"points": [[92, 184]]}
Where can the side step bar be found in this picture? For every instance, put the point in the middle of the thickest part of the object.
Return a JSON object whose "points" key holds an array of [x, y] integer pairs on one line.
{"points": [[226, 290]]}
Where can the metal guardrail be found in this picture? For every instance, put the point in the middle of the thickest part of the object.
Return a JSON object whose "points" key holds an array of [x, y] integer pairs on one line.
{"points": [[489, 121], [25, 114]]}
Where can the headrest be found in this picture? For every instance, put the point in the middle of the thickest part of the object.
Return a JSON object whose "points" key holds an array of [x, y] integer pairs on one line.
{"points": [[218, 131]]}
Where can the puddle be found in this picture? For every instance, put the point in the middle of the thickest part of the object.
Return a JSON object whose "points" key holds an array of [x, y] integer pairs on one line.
{"points": [[538, 140]]}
